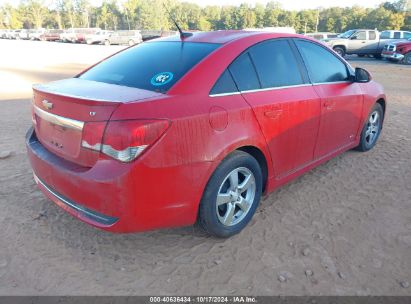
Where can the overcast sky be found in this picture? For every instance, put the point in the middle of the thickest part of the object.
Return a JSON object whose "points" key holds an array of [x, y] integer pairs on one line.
{"points": [[287, 4]]}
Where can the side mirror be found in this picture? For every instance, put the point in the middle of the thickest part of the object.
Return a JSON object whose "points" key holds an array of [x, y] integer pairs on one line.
{"points": [[362, 75]]}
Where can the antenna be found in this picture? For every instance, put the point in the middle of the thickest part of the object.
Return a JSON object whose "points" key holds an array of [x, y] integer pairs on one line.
{"points": [[182, 34]]}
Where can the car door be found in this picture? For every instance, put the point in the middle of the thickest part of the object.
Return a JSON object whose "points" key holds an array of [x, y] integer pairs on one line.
{"points": [[358, 43], [270, 78], [341, 99]]}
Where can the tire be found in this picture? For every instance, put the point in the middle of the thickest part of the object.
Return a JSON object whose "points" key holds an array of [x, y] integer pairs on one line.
{"points": [[361, 55], [218, 220], [131, 42], [372, 129], [339, 50], [407, 58], [107, 42], [377, 56]]}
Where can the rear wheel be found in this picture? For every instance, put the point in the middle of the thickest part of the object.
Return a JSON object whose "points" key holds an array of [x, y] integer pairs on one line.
{"points": [[231, 196], [339, 50], [372, 129], [131, 42]]}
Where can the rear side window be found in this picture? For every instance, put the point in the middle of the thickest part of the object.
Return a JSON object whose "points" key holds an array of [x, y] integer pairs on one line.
{"points": [[322, 65], [276, 64], [154, 66], [407, 35], [225, 84], [385, 35], [397, 35], [244, 73], [372, 35]]}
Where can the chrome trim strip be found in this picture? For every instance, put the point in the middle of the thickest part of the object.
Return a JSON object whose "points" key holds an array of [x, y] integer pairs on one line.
{"points": [[278, 88], [224, 94], [262, 90], [107, 220], [335, 82], [59, 120]]}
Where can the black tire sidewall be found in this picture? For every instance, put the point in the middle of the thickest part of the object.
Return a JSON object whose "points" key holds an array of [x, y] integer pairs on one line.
{"points": [[208, 219], [363, 145], [342, 51]]}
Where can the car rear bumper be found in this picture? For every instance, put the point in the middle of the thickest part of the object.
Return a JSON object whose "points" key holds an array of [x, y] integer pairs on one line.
{"points": [[115, 196], [392, 55]]}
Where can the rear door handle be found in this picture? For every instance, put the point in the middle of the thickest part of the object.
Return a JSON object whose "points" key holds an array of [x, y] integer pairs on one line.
{"points": [[273, 113], [328, 105]]}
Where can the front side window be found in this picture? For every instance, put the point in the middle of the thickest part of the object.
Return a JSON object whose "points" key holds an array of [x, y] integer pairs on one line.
{"points": [[372, 35], [276, 64], [154, 66], [397, 35], [323, 66], [361, 35], [407, 35]]}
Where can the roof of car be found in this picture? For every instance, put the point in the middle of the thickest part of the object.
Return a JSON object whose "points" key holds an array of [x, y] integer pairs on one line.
{"points": [[224, 36]]}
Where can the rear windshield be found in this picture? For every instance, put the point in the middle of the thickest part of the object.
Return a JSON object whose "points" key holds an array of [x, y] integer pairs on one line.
{"points": [[154, 66]]}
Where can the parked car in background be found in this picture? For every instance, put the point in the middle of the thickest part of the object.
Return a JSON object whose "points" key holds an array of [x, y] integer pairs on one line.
{"points": [[171, 132], [129, 37], [321, 35], [399, 51], [3, 34], [23, 34], [98, 37], [14, 34], [363, 42], [153, 34], [35, 34], [78, 35], [51, 35]]}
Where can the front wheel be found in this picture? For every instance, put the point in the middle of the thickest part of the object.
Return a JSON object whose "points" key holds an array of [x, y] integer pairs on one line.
{"points": [[407, 58], [231, 196], [107, 42], [131, 42], [372, 129]]}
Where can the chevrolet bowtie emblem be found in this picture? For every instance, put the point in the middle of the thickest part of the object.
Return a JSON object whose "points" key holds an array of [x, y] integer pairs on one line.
{"points": [[47, 104]]}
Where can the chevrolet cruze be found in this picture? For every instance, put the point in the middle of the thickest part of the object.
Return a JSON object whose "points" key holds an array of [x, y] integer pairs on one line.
{"points": [[196, 128]]}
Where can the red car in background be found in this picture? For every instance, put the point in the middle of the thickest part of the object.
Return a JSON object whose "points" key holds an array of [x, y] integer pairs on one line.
{"points": [[51, 35], [400, 51], [196, 128]]}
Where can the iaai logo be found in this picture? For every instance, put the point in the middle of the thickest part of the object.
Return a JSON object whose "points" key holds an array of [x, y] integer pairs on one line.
{"points": [[161, 78]]}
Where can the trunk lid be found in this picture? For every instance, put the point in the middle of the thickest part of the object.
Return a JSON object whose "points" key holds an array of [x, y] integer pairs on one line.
{"points": [[62, 109]]}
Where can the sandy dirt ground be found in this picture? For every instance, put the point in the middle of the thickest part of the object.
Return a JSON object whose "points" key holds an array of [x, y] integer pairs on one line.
{"points": [[342, 229]]}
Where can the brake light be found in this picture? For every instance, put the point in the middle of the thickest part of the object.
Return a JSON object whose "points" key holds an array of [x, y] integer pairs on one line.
{"points": [[123, 140]]}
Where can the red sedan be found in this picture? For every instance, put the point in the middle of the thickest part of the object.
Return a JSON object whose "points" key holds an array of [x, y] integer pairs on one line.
{"points": [[180, 130]]}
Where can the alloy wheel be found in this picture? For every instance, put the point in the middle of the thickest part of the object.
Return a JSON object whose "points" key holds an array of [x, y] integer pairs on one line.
{"points": [[373, 128], [235, 196]]}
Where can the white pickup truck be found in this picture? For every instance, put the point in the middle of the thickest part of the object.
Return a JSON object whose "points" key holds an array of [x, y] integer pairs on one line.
{"points": [[364, 42]]}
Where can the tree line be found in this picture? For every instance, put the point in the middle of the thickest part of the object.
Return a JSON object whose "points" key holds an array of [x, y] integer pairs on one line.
{"points": [[155, 15]]}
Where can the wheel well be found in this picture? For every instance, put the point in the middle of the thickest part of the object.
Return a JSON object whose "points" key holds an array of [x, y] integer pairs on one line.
{"points": [[382, 103], [259, 156], [340, 46]]}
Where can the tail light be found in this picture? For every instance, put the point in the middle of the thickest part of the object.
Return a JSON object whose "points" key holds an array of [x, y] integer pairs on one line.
{"points": [[123, 140]]}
